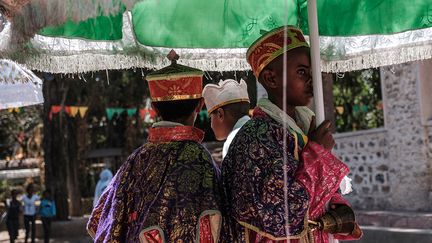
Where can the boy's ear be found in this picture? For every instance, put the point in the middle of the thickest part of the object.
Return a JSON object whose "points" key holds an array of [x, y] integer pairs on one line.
{"points": [[268, 78], [220, 113]]}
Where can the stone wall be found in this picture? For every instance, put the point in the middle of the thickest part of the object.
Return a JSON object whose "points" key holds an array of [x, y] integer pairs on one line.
{"points": [[365, 153], [391, 167]]}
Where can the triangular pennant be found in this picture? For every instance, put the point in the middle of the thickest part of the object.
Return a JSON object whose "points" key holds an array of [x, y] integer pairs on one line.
{"points": [[142, 113], [356, 108], [118, 111], [56, 109], [110, 113], [14, 109], [83, 110], [131, 111], [73, 111], [67, 110]]}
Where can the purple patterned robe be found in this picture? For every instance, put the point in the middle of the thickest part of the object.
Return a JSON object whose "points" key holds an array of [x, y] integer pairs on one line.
{"points": [[163, 192], [253, 184]]}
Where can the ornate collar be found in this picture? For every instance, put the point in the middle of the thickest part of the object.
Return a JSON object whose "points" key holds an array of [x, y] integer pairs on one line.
{"points": [[177, 133]]}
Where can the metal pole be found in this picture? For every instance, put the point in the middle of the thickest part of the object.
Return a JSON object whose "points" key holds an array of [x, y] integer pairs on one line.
{"points": [[315, 61]]}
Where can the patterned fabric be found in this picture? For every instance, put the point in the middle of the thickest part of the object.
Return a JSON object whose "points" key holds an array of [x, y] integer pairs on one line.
{"points": [[178, 133], [166, 185], [273, 44], [253, 184], [151, 236]]}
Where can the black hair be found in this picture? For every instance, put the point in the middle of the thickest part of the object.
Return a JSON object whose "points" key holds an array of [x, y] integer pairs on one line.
{"points": [[175, 109], [30, 186], [47, 194], [237, 110], [14, 192]]}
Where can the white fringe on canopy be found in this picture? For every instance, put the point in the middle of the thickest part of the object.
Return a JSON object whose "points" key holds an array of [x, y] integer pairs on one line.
{"points": [[338, 54]]}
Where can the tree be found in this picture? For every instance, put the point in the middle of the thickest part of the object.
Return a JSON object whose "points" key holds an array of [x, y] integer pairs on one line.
{"points": [[358, 100], [20, 132], [68, 139]]}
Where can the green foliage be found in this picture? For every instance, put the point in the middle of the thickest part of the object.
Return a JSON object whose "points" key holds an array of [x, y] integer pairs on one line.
{"points": [[18, 131], [358, 100]]}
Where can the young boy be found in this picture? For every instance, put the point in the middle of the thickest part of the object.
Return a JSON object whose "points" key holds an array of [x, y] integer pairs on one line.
{"points": [[12, 216], [47, 211], [256, 205], [29, 200], [228, 105], [165, 191]]}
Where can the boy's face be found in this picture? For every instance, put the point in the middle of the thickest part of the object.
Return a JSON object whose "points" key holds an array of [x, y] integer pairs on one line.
{"points": [[298, 89]]}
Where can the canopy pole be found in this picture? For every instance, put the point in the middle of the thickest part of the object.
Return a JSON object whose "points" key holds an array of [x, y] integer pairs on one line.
{"points": [[315, 61]]}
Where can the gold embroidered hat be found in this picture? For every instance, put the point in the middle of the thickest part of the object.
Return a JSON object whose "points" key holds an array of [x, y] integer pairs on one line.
{"points": [[175, 82], [273, 44]]}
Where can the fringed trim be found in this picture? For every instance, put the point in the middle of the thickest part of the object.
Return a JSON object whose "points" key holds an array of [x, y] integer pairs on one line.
{"points": [[93, 62], [338, 54], [379, 58]]}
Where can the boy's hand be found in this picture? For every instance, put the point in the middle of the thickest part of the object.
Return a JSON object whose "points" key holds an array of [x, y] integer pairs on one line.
{"points": [[321, 134]]}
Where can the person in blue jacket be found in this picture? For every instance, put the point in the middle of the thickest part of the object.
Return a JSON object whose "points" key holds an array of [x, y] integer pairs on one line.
{"points": [[47, 212]]}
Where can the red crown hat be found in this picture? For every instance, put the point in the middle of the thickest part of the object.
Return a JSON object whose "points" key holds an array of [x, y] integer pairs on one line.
{"points": [[175, 82], [271, 45]]}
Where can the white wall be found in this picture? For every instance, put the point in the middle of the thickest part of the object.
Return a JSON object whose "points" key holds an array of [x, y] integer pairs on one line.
{"points": [[391, 167]]}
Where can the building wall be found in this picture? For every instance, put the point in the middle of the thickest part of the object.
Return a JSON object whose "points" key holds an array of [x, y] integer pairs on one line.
{"points": [[391, 167]]}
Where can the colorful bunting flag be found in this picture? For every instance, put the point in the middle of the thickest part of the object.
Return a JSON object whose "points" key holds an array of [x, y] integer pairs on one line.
{"points": [[16, 109], [67, 110], [131, 111], [110, 113], [355, 108], [142, 113], [340, 110], [73, 111], [118, 111], [82, 111], [54, 110]]}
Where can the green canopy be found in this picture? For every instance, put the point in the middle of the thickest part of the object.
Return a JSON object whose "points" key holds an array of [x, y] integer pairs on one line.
{"points": [[214, 35]]}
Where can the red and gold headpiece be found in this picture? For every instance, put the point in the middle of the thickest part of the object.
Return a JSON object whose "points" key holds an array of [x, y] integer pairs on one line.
{"points": [[175, 82], [272, 44]]}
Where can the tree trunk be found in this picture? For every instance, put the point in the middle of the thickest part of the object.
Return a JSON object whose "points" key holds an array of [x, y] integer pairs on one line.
{"points": [[82, 137], [73, 162], [55, 166]]}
